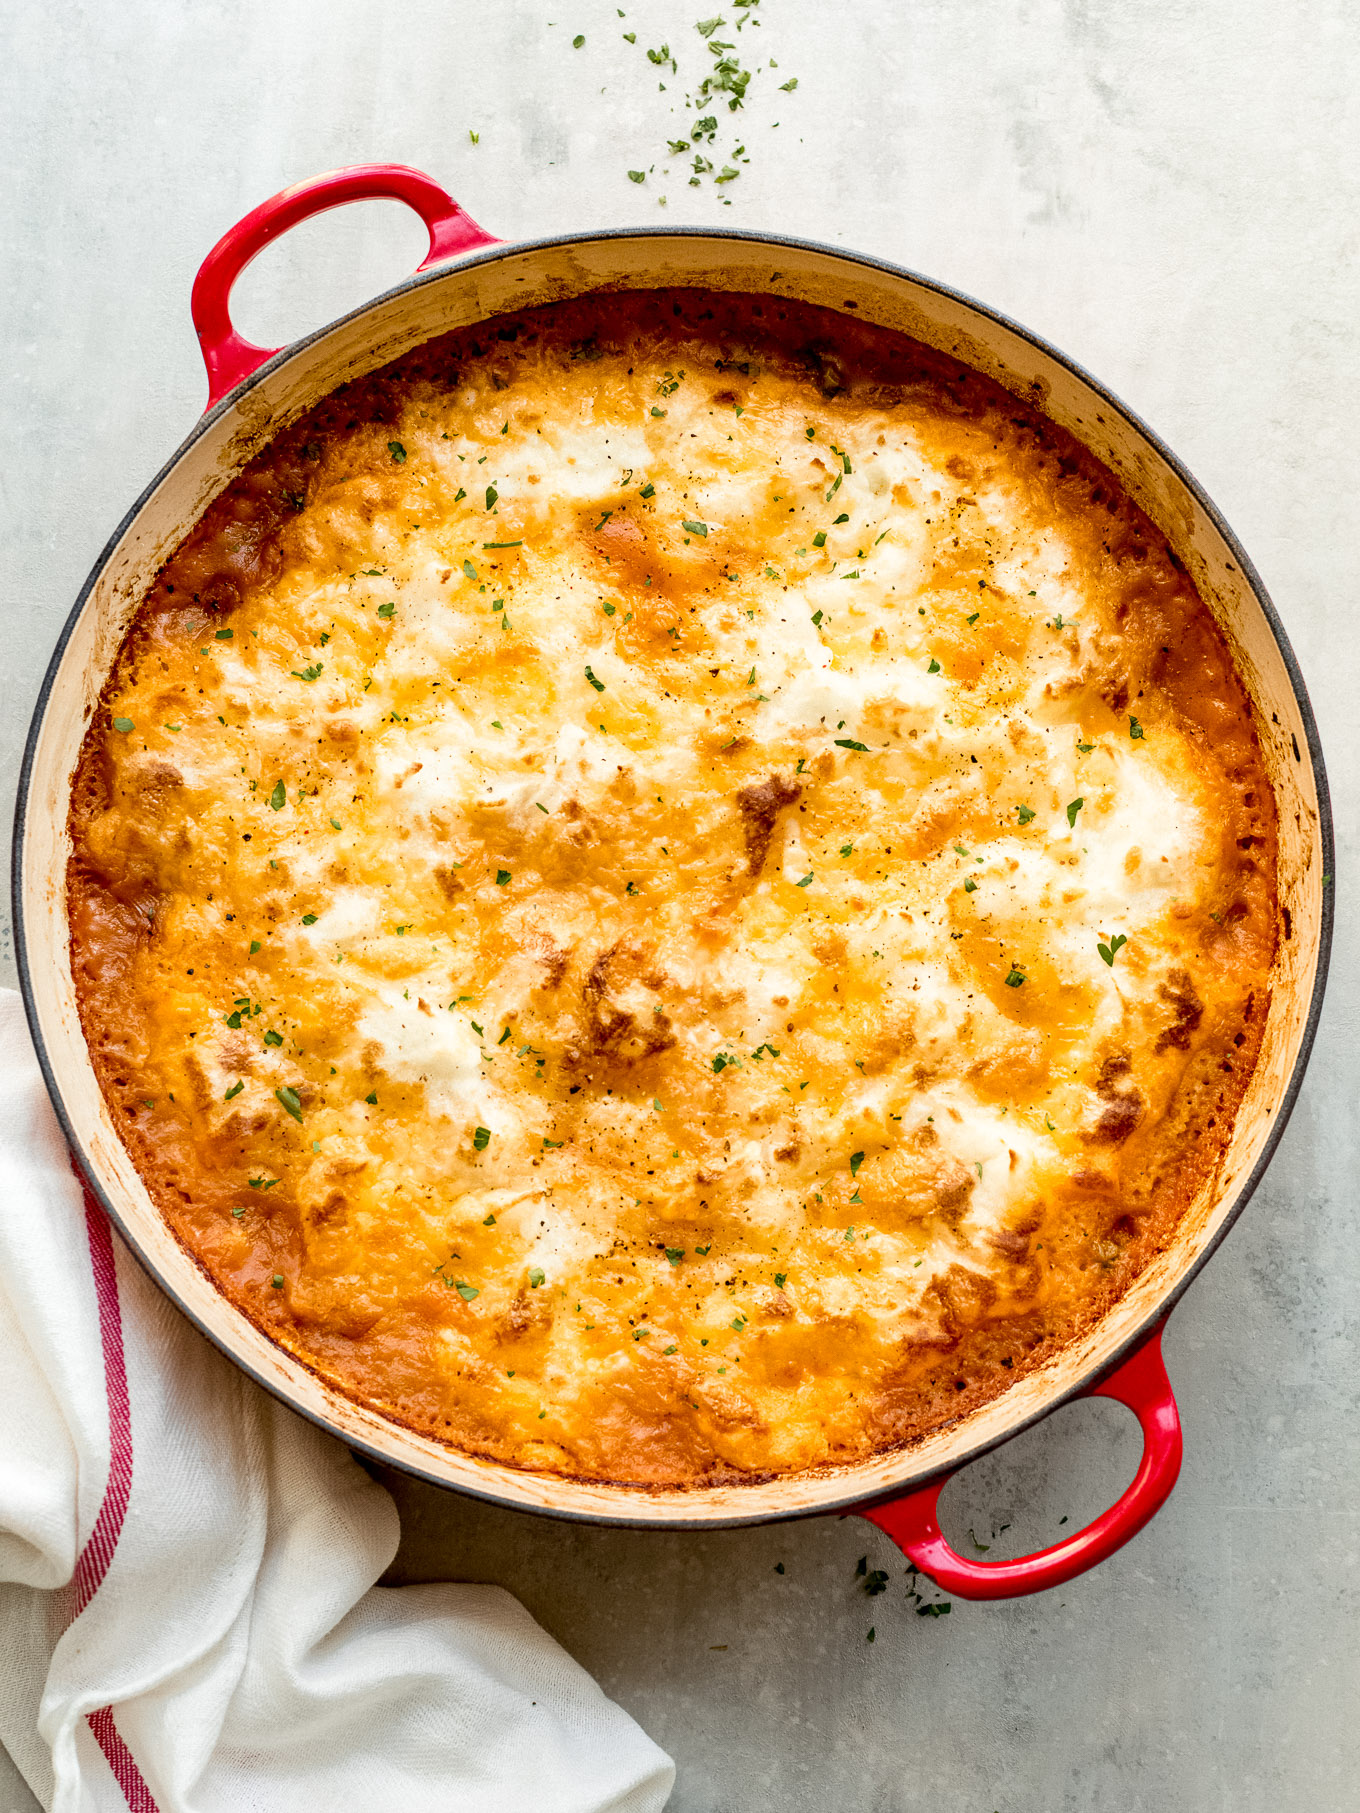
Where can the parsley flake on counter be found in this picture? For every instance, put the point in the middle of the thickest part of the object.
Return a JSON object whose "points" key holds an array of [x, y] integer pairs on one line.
{"points": [[578, 40], [1111, 950], [288, 1100]]}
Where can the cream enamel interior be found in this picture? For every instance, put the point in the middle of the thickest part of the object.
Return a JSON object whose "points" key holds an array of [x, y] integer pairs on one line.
{"points": [[467, 293]]}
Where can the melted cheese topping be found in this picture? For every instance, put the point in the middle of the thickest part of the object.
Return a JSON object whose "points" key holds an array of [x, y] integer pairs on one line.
{"points": [[667, 908]]}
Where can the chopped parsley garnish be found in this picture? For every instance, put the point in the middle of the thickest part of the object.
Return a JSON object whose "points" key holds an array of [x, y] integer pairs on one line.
{"points": [[397, 451], [597, 684], [308, 673], [289, 1102], [224, 635], [263, 1183], [123, 725], [502, 876], [1024, 814], [695, 528], [806, 881], [1016, 978], [817, 619], [934, 667], [1135, 730], [469, 569], [850, 743], [647, 491], [481, 1138], [970, 886], [819, 539], [551, 1142], [466, 1291], [847, 849], [856, 1160], [277, 1281], [235, 1089], [387, 611], [656, 411], [1074, 807], [1085, 748], [273, 1038], [278, 798], [1111, 950], [254, 946], [372, 1100], [675, 1254]]}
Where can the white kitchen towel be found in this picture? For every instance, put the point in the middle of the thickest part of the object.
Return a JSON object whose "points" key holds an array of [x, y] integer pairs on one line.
{"points": [[188, 1616]]}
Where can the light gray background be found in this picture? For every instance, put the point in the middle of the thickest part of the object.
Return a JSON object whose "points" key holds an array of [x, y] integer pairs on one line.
{"points": [[1170, 192]]}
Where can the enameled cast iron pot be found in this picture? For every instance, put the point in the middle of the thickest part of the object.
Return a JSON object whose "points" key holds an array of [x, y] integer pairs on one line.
{"points": [[467, 276]]}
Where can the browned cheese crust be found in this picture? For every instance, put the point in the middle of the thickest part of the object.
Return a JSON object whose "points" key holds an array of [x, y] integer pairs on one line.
{"points": [[673, 889]]}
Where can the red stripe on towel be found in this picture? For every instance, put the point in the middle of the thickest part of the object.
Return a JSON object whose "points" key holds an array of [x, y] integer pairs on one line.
{"points": [[98, 1551]]}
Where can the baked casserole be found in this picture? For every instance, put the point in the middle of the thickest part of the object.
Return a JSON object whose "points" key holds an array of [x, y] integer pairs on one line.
{"points": [[673, 889]]}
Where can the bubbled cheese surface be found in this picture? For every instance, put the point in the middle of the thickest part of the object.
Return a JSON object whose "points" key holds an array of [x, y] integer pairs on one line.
{"points": [[663, 905]]}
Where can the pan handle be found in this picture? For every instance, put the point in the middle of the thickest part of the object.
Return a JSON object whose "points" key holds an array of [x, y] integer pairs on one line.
{"points": [[228, 357], [1140, 1383]]}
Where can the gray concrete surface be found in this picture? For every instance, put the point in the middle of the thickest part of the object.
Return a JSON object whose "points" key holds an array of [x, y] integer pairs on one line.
{"points": [[1170, 190]]}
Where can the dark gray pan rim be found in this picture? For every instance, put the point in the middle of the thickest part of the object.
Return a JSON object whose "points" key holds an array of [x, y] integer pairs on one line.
{"points": [[911, 1481]]}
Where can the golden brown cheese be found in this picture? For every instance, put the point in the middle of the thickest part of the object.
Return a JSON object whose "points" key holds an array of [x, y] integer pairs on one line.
{"points": [[673, 889]]}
